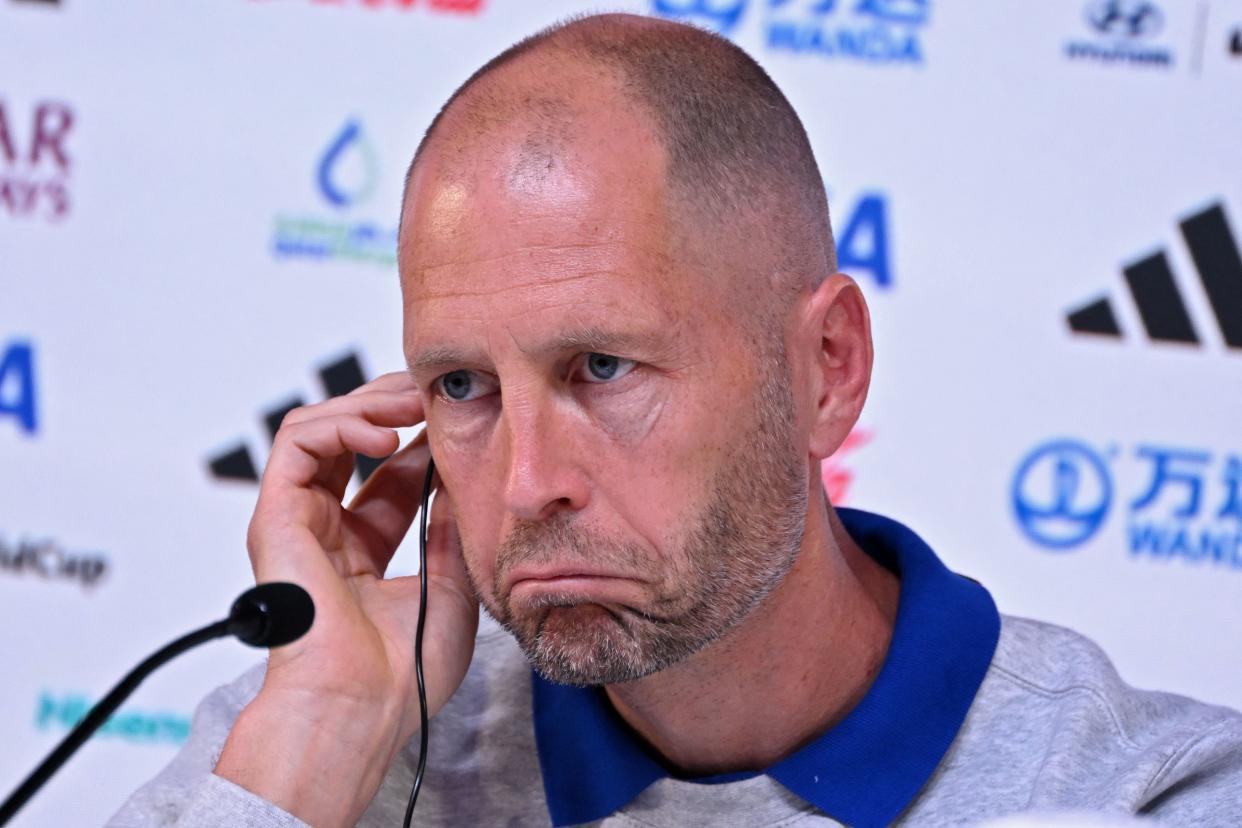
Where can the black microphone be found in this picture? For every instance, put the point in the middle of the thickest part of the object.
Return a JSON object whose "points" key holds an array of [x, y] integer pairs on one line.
{"points": [[268, 615]]}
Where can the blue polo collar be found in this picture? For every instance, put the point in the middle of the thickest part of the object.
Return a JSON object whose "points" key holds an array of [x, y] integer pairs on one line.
{"points": [[864, 771]]}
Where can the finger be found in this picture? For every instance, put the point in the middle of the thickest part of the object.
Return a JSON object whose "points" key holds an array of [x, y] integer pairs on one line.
{"points": [[393, 381], [392, 408], [390, 498], [305, 453], [444, 552], [337, 472]]}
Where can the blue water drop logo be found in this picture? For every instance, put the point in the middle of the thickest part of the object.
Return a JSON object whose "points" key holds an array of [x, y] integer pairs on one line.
{"points": [[347, 170]]}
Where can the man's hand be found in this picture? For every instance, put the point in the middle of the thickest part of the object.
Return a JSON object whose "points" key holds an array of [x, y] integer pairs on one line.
{"points": [[337, 704]]}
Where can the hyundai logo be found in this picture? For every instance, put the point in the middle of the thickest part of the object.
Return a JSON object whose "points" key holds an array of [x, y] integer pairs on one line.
{"points": [[1131, 19]]}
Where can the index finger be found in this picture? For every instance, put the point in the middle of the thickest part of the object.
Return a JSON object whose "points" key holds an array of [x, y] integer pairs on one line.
{"points": [[392, 381], [393, 493]]}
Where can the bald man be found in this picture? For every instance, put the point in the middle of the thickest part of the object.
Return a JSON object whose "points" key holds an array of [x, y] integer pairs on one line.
{"points": [[626, 335]]}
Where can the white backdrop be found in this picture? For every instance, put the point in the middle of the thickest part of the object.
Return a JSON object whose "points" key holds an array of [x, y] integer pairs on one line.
{"points": [[197, 203]]}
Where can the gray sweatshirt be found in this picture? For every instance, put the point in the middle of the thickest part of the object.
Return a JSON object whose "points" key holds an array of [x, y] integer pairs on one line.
{"points": [[1052, 727]]}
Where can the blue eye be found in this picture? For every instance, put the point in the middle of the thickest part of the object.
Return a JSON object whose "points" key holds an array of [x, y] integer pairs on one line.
{"points": [[606, 368], [463, 385], [456, 385]]}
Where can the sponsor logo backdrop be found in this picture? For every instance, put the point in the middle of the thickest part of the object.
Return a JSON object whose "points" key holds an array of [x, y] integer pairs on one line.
{"points": [[198, 204]]}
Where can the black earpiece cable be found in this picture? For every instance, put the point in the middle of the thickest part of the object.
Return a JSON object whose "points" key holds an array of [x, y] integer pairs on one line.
{"points": [[418, 644]]}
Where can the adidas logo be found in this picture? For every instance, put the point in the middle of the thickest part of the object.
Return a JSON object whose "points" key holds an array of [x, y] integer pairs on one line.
{"points": [[337, 377], [1214, 250]]}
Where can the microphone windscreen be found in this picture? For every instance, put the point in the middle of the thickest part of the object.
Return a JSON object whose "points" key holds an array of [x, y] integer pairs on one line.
{"points": [[272, 615]]}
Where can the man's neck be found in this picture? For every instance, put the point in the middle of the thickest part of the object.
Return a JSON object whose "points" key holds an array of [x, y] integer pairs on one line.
{"points": [[790, 671]]}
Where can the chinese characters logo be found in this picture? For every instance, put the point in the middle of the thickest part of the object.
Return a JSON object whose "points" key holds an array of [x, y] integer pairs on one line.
{"points": [[1184, 503]]}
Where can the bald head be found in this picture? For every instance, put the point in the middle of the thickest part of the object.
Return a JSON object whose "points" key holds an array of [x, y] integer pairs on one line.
{"points": [[735, 158]]}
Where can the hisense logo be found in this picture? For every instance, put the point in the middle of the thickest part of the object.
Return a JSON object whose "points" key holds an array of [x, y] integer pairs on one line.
{"points": [[55, 711]]}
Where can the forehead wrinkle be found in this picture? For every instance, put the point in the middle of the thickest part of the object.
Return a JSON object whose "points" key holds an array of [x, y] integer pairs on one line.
{"points": [[548, 249], [623, 282], [544, 283], [525, 248]]}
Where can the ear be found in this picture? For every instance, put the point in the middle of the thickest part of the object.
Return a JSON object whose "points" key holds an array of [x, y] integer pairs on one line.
{"points": [[836, 331]]}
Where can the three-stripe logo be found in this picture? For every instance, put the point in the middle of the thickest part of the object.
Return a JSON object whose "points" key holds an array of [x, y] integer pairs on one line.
{"points": [[338, 377], [1160, 304]]}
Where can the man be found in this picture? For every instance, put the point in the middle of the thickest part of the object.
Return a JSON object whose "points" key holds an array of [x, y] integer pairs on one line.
{"points": [[631, 349]]}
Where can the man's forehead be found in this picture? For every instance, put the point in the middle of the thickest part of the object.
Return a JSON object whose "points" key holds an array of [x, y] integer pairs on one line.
{"points": [[567, 264], [581, 225], [534, 292], [539, 226], [519, 193], [537, 281], [527, 140], [545, 320], [613, 279]]}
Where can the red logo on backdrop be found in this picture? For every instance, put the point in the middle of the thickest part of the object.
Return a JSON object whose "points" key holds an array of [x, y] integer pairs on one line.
{"points": [[34, 160], [837, 476], [452, 6]]}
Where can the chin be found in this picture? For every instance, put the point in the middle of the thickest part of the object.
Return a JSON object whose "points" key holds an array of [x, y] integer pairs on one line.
{"points": [[584, 645]]}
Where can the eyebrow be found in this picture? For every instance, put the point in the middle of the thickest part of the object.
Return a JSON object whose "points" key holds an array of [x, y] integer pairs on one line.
{"points": [[590, 339], [437, 359], [601, 340]]}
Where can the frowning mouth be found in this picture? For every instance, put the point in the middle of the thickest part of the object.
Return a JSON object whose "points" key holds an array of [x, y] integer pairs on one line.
{"points": [[555, 574], [587, 586]]}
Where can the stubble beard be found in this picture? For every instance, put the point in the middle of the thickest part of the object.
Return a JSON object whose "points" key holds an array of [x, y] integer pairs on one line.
{"points": [[736, 551]]}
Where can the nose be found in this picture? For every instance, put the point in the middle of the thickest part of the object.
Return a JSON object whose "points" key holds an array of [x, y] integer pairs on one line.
{"points": [[545, 474]]}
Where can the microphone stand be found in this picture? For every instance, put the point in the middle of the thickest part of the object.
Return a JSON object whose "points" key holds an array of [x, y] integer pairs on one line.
{"points": [[250, 619], [100, 713]]}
